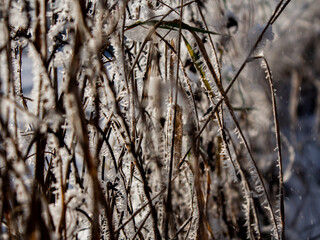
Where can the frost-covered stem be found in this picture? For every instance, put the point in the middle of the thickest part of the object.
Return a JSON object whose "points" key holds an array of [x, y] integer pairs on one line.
{"points": [[248, 200], [168, 207], [278, 139]]}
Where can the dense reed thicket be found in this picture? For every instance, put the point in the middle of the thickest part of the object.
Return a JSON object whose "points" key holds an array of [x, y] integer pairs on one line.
{"points": [[147, 119]]}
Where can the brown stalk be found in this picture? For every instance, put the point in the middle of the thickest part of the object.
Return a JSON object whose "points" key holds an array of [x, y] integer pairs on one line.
{"points": [[168, 204], [278, 140]]}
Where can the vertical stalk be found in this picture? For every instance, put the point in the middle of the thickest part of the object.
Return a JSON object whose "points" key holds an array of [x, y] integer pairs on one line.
{"points": [[168, 208]]}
